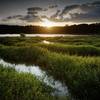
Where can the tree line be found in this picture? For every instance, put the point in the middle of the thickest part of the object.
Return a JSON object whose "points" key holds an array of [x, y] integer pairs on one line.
{"points": [[83, 29]]}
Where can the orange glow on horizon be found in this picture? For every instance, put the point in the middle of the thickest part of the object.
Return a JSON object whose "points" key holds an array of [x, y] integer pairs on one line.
{"points": [[49, 24]]}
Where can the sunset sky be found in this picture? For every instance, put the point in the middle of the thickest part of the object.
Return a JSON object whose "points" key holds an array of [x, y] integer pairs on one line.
{"points": [[49, 12]]}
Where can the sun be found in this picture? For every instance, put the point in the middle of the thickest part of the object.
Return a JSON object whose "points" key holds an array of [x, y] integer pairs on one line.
{"points": [[47, 23]]}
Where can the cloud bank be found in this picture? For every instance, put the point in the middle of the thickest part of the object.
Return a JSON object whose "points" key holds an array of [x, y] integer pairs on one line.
{"points": [[87, 12]]}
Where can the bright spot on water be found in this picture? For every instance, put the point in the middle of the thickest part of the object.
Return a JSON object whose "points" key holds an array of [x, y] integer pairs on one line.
{"points": [[46, 42]]}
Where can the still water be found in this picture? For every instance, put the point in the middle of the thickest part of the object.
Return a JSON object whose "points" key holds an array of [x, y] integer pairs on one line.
{"points": [[59, 87], [38, 35]]}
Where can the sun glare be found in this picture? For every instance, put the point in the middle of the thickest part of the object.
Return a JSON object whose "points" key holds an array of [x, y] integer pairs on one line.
{"points": [[48, 23]]}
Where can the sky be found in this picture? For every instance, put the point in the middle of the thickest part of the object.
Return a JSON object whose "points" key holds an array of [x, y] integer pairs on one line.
{"points": [[49, 12]]}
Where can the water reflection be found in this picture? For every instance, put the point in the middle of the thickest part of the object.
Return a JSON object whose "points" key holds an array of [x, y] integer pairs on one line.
{"points": [[46, 42], [60, 89], [39, 35]]}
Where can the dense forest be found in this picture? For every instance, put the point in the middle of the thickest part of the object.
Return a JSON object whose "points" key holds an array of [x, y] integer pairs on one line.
{"points": [[84, 29]]}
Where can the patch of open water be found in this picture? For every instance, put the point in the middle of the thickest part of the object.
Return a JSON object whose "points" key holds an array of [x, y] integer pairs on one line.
{"points": [[59, 87]]}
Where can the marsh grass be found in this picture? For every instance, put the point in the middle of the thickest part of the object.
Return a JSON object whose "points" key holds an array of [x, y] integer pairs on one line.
{"points": [[81, 74], [73, 60], [22, 86], [80, 50], [74, 40]]}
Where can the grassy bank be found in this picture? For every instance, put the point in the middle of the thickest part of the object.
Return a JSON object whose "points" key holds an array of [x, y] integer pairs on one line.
{"points": [[80, 50], [81, 74], [21, 86]]}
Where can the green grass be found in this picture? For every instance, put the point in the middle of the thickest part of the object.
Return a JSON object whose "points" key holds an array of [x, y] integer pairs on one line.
{"points": [[80, 50], [21, 86], [81, 74], [77, 40], [73, 60]]}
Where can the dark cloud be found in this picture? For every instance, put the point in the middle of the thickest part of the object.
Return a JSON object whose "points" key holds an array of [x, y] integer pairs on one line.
{"points": [[96, 3], [44, 16], [53, 6], [32, 18], [88, 12], [26, 18], [35, 9], [12, 17], [56, 14], [68, 8], [15, 16], [77, 13]]}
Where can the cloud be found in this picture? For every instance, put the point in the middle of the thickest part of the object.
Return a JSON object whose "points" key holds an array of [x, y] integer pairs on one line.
{"points": [[23, 18], [87, 12], [56, 14], [12, 17], [68, 8], [35, 10], [53, 6], [30, 18], [83, 12], [15, 20], [96, 3]]}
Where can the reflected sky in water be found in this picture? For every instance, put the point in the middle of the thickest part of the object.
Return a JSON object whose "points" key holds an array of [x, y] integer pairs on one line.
{"points": [[60, 89]]}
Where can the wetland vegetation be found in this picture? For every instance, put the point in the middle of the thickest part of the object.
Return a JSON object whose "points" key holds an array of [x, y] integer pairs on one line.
{"points": [[73, 60]]}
